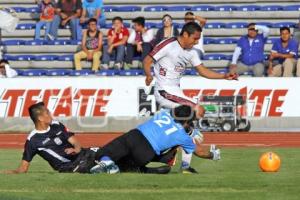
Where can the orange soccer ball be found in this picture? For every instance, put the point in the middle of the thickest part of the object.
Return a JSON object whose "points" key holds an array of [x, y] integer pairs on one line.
{"points": [[269, 162]]}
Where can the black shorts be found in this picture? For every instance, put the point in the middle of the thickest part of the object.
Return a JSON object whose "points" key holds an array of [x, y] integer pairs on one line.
{"points": [[131, 147], [82, 164]]}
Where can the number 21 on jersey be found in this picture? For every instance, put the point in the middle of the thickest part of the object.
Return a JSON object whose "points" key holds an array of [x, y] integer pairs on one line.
{"points": [[165, 121]]}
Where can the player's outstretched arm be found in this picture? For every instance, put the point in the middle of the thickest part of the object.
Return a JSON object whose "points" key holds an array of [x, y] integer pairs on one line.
{"points": [[147, 63], [23, 168], [202, 151], [207, 73], [205, 152]]}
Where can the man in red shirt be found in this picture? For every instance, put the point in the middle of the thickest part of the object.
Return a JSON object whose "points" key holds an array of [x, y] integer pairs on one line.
{"points": [[116, 40]]}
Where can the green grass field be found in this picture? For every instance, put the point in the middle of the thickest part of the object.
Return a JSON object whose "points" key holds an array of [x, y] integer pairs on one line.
{"points": [[236, 176]]}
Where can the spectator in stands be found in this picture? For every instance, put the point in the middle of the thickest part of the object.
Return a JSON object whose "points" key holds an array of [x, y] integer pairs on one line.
{"points": [[91, 46], [139, 41], [167, 31], [46, 17], [67, 12], [6, 71], [250, 50], [190, 17], [116, 41], [283, 55], [92, 9]]}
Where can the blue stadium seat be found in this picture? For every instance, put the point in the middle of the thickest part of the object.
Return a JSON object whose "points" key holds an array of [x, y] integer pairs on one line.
{"points": [[19, 71], [19, 9], [129, 8], [271, 40], [222, 71], [107, 72], [66, 58], [46, 57], [282, 24], [155, 8], [13, 42], [131, 72], [34, 72], [271, 8], [214, 57], [226, 41], [84, 72], [191, 72], [110, 8], [237, 25], [60, 42], [248, 73], [32, 10], [109, 25], [268, 24], [25, 26], [178, 25], [209, 40], [248, 8], [178, 8], [228, 57], [225, 8], [36, 42], [9, 57], [152, 25], [203, 8], [215, 25], [292, 8], [25, 57], [58, 72], [75, 42]]}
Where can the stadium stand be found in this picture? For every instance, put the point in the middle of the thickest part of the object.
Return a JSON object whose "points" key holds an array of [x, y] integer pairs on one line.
{"points": [[55, 58]]}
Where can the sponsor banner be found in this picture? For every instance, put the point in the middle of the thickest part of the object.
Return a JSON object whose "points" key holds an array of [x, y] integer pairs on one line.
{"points": [[128, 96]]}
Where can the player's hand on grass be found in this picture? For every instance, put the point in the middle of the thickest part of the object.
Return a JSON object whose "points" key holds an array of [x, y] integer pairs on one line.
{"points": [[148, 80], [215, 152]]}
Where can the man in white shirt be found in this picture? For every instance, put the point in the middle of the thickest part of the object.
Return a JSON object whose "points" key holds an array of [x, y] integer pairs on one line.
{"points": [[6, 71], [138, 41], [169, 59]]}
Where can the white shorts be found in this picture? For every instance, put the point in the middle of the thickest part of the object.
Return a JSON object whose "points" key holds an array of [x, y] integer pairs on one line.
{"points": [[171, 97]]}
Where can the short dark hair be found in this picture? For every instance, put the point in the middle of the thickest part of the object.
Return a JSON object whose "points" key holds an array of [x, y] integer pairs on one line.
{"points": [[183, 114], [285, 28], [140, 21], [35, 110], [92, 20], [117, 18], [4, 61], [188, 13], [190, 28], [251, 24], [167, 15]]}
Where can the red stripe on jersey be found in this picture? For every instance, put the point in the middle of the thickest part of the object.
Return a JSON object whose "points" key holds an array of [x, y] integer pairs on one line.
{"points": [[161, 45], [176, 99]]}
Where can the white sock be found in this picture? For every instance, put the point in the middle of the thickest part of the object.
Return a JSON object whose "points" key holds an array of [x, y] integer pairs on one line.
{"points": [[186, 159]]}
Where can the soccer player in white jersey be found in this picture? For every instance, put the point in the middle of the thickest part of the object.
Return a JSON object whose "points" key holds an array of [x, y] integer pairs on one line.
{"points": [[169, 59]]}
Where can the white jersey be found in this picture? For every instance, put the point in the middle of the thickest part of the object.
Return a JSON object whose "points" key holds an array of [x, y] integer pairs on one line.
{"points": [[170, 62]]}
